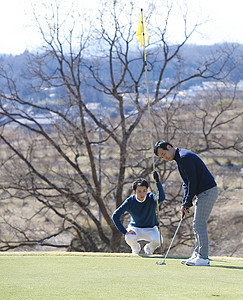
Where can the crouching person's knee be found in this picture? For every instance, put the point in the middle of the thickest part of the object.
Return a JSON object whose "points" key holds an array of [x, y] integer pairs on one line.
{"points": [[130, 238], [157, 242]]}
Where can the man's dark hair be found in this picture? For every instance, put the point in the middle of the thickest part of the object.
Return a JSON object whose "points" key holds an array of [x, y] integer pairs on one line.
{"points": [[139, 182], [161, 144]]}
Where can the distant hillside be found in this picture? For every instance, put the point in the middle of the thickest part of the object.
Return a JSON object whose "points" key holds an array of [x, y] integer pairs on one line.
{"points": [[190, 55]]}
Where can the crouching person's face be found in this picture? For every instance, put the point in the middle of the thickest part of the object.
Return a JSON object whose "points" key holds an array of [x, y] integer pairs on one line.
{"points": [[141, 192]]}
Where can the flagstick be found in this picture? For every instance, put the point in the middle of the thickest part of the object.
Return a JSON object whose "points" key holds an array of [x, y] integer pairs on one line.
{"points": [[150, 123]]}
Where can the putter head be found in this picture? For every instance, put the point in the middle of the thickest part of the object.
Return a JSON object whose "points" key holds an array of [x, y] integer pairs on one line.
{"points": [[160, 263]]}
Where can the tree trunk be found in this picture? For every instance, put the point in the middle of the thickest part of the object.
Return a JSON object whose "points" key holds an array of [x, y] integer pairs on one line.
{"points": [[116, 241]]}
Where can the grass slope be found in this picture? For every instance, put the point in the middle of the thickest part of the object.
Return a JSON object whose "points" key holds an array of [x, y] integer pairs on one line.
{"points": [[86, 276]]}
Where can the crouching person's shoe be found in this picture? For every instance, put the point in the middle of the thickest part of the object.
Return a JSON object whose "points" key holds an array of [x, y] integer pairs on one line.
{"points": [[147, 250], [136, 250], [198, 262]]}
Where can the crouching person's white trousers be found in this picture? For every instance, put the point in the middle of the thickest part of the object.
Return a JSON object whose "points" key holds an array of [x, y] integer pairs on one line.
{"points": [[151, 235]]}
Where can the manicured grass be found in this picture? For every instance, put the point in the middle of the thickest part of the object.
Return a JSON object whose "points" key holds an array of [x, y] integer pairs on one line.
{"points": [[86, 276]]}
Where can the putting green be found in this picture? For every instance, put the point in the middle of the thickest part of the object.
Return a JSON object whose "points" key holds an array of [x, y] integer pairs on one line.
{"points": [[86, 276]]}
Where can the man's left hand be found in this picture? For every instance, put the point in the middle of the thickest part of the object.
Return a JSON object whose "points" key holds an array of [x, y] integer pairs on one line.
{"points": [[184, 211]]}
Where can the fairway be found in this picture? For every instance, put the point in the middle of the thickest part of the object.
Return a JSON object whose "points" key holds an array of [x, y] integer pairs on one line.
{"points": [[85, 276]]}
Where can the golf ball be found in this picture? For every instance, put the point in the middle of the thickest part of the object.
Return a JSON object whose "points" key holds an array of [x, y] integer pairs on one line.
{"points": [[159, 262]]}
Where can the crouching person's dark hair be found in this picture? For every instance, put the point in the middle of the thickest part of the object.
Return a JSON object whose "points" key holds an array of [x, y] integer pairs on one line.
{"points": [[139, 182]]}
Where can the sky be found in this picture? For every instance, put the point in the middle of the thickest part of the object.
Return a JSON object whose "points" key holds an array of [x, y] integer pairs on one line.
{"points": [[224, 23]]}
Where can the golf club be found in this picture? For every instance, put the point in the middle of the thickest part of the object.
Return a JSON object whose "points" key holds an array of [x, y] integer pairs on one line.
{"points": [[163, 263]]}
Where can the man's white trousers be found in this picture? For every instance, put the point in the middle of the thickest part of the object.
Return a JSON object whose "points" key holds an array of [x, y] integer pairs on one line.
{"points": [[150, 235]]}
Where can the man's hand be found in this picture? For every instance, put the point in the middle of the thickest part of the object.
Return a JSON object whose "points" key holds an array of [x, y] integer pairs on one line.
{"points": [[184, 211], [131, 232], [156, 176]]}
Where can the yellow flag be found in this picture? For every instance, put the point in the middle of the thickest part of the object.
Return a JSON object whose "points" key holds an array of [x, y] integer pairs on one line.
{"points": [[142, 33]]}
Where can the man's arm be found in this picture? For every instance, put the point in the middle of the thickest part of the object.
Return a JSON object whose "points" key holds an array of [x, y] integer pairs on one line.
{"points": [[116, 217], [189, 182], [161, 193]]}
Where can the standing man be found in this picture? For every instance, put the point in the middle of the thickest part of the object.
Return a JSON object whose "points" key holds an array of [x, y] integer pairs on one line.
{"points": [[199, 182]]}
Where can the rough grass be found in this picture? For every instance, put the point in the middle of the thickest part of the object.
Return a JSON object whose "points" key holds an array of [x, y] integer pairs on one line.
{"points": [[86, 276]]}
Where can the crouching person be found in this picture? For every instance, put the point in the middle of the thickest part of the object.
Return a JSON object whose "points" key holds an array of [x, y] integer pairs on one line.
{"points": [[144, 223]]}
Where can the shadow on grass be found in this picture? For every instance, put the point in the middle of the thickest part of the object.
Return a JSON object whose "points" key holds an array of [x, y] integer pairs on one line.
{"points": [[183, 257], [151, 256], [162, 256], [223, 266], [227, 267]]}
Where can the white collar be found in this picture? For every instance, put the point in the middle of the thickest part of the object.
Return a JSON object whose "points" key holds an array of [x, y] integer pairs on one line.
{"points": [[140, 200]]}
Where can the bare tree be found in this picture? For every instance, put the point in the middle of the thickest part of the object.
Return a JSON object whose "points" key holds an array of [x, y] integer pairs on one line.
{"points": [[56, 169]]}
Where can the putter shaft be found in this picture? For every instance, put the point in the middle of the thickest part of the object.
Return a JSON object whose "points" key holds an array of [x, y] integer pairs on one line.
{"points": [[172, 240]]}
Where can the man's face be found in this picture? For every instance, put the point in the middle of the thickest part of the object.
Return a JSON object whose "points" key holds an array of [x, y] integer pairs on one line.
{"points": [[168, 154], [141, 192]]}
